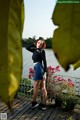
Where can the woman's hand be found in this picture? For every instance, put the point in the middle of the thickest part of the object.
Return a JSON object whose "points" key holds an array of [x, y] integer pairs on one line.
{"points": [[45, 76]]}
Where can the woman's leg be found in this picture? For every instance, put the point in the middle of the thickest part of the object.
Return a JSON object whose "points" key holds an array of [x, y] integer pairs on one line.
{"points": [[44, 91], [35, 90]]}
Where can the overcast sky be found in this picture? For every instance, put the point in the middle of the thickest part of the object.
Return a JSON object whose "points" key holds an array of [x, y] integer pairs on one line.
{"points": [[38, 21]]}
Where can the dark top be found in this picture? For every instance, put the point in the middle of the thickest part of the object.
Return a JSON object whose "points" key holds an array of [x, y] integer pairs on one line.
{"points": [[38, 56]]}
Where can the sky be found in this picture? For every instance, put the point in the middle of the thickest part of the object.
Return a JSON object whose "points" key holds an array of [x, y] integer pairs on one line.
{"points": [[38, 22]]}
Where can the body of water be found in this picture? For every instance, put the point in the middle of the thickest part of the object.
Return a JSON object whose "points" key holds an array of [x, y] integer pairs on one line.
{"points": [[51, 60]]}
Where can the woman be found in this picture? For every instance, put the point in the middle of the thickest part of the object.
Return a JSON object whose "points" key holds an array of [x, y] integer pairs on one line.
{"points": [[40, 69]]}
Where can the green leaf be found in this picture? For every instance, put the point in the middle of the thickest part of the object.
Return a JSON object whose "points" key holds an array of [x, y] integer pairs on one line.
{"points": [[66, 38], [11, 24]]}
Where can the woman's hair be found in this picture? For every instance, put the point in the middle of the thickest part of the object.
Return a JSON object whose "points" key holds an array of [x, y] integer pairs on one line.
{"points": [[42, 42]]}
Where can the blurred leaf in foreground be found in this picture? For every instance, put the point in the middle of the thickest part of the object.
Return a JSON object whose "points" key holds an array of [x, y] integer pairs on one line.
{"points": [[11, 24], [66, 38]]}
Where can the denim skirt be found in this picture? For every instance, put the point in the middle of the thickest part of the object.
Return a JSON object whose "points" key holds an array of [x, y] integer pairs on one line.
{"points": [[38, 72]]}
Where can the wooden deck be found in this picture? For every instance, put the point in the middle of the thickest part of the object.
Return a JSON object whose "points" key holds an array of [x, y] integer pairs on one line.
{"points": [[23, 111]]}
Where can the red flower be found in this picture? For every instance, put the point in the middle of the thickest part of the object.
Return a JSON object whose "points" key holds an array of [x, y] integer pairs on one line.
{"points": [[70, 83], [31, 70], [57, 68], [29, 76], [59, 78]]}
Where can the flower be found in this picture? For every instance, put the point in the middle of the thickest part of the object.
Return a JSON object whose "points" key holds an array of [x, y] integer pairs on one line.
{"points": [[31, 73], [61, 88], [57, 83]]}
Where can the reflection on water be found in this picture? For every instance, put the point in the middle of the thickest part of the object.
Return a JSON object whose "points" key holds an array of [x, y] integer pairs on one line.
{"points": [[51, 60]]}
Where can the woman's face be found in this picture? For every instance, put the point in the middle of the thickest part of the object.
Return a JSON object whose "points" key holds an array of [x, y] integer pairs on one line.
{"points": [[39, 44]]}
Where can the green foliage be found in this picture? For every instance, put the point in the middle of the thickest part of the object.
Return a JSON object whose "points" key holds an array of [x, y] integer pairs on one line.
{"points": [[48, 42], [29, 41], [25, 87], [70, 118], [26, 81]]}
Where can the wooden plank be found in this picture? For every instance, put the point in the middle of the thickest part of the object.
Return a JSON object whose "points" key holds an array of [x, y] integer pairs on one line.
{"points": [[23, 111], [19, 109], [48, 113], [4, 107], [54, 113], [40, 117], [31, 113], [36, 115]]}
